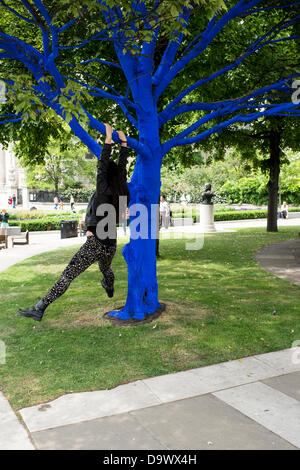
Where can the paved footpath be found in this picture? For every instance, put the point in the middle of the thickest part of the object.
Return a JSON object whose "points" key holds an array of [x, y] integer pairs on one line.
{"points": [[281, 259], [250, 403]]}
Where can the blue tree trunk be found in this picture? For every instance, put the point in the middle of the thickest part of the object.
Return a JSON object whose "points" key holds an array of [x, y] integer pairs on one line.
{"points": [[140, 253]]}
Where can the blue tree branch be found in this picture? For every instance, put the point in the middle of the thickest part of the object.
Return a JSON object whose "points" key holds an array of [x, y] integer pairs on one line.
{"points": [[100, 127], [279, 7], [96, 37], [258, 44], [189, 107], [101, 61], [170, 52], [10, 120], [70, 23], [12, 10], [95, 91], [207, 37], [276, 110], [8, 40]]}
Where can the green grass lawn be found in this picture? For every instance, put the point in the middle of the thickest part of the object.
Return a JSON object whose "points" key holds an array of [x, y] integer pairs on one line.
{"points": [[219, 307]]}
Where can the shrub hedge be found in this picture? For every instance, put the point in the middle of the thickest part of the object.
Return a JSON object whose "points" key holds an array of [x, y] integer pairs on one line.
{"points": [[254, 190], [53, 222], [25, 214], [42, 224]]}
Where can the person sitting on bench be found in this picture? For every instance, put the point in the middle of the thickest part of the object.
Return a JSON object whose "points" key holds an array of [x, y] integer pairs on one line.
{"points": [[285, 210]]}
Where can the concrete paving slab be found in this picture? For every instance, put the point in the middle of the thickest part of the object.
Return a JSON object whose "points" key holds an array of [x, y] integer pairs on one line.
{"points": [[281, 260], [288, 384], [206, 423], [114, 433], [284, 361], [275, 257], [272, 409], [13, 435], [76, 407], [39, 242], [208, 379]]}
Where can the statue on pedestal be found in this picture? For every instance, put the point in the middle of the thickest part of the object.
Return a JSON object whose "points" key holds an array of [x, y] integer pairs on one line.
{"points": [[206, 197]]}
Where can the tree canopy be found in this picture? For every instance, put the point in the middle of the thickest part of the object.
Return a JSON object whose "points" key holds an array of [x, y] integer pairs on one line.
{"points": [[79, 37]]}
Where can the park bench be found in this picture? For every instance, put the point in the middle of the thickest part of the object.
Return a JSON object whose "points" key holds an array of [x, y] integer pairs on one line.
{"points": [[182, 221], [3, 242], [22, 239], [13, 230], [294, 215]]}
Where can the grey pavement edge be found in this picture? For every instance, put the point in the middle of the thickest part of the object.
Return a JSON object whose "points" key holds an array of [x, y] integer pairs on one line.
{"points": [[78, 407], [198, 423], [281, 259], [13, 435]]}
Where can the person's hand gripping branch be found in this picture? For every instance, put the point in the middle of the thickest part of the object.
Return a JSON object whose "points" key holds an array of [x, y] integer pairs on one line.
{"points": [[122, 138], [109, 132]]}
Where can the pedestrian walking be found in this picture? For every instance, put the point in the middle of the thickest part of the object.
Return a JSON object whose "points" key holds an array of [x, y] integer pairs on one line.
{"points": [[72, 202], [125, 220], [164, 213], [285, 210], [4, 216]]}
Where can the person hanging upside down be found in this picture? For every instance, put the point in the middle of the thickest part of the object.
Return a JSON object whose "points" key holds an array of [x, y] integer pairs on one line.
{"points": [[101, 240]]}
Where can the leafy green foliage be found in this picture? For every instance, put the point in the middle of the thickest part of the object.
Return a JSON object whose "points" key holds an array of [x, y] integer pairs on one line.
{"points": [[233, 179], [64, 165]]}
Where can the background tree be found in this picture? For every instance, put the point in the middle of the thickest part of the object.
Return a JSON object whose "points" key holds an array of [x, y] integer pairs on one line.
{"points": [[62, 48], [234, 179], [268, 136], [64, 166], [264, 144]]}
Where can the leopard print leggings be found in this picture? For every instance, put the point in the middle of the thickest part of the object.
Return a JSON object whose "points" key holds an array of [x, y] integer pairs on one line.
{"points": [[90, 252]]}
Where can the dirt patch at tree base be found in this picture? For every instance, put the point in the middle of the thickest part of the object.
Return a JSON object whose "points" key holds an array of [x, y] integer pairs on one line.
{"points": [[133, 322]]}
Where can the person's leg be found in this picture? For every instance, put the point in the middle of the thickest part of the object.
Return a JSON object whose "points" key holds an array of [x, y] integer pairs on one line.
{"points": [[164, 218], [85, 256], [83, 259], [167, 221], [160, 219], [105, 257]]}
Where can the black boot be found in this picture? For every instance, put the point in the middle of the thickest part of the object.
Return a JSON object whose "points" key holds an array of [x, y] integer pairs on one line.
{"points": [[110, 292], [36, 312]]}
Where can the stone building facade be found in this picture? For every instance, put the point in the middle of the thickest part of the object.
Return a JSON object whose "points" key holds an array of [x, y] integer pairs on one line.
{"points": [[12, 180]]}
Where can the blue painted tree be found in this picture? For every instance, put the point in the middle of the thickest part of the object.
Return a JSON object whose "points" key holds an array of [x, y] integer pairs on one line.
{"points": [[54, 79]]}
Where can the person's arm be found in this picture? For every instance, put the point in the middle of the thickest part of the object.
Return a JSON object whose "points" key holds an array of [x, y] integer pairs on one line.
{"points": [[103, 163], [123, 155]]}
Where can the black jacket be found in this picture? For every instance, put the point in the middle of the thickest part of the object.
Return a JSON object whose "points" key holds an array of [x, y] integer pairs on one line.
{"points": [[103, 195], [4, 217]]}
